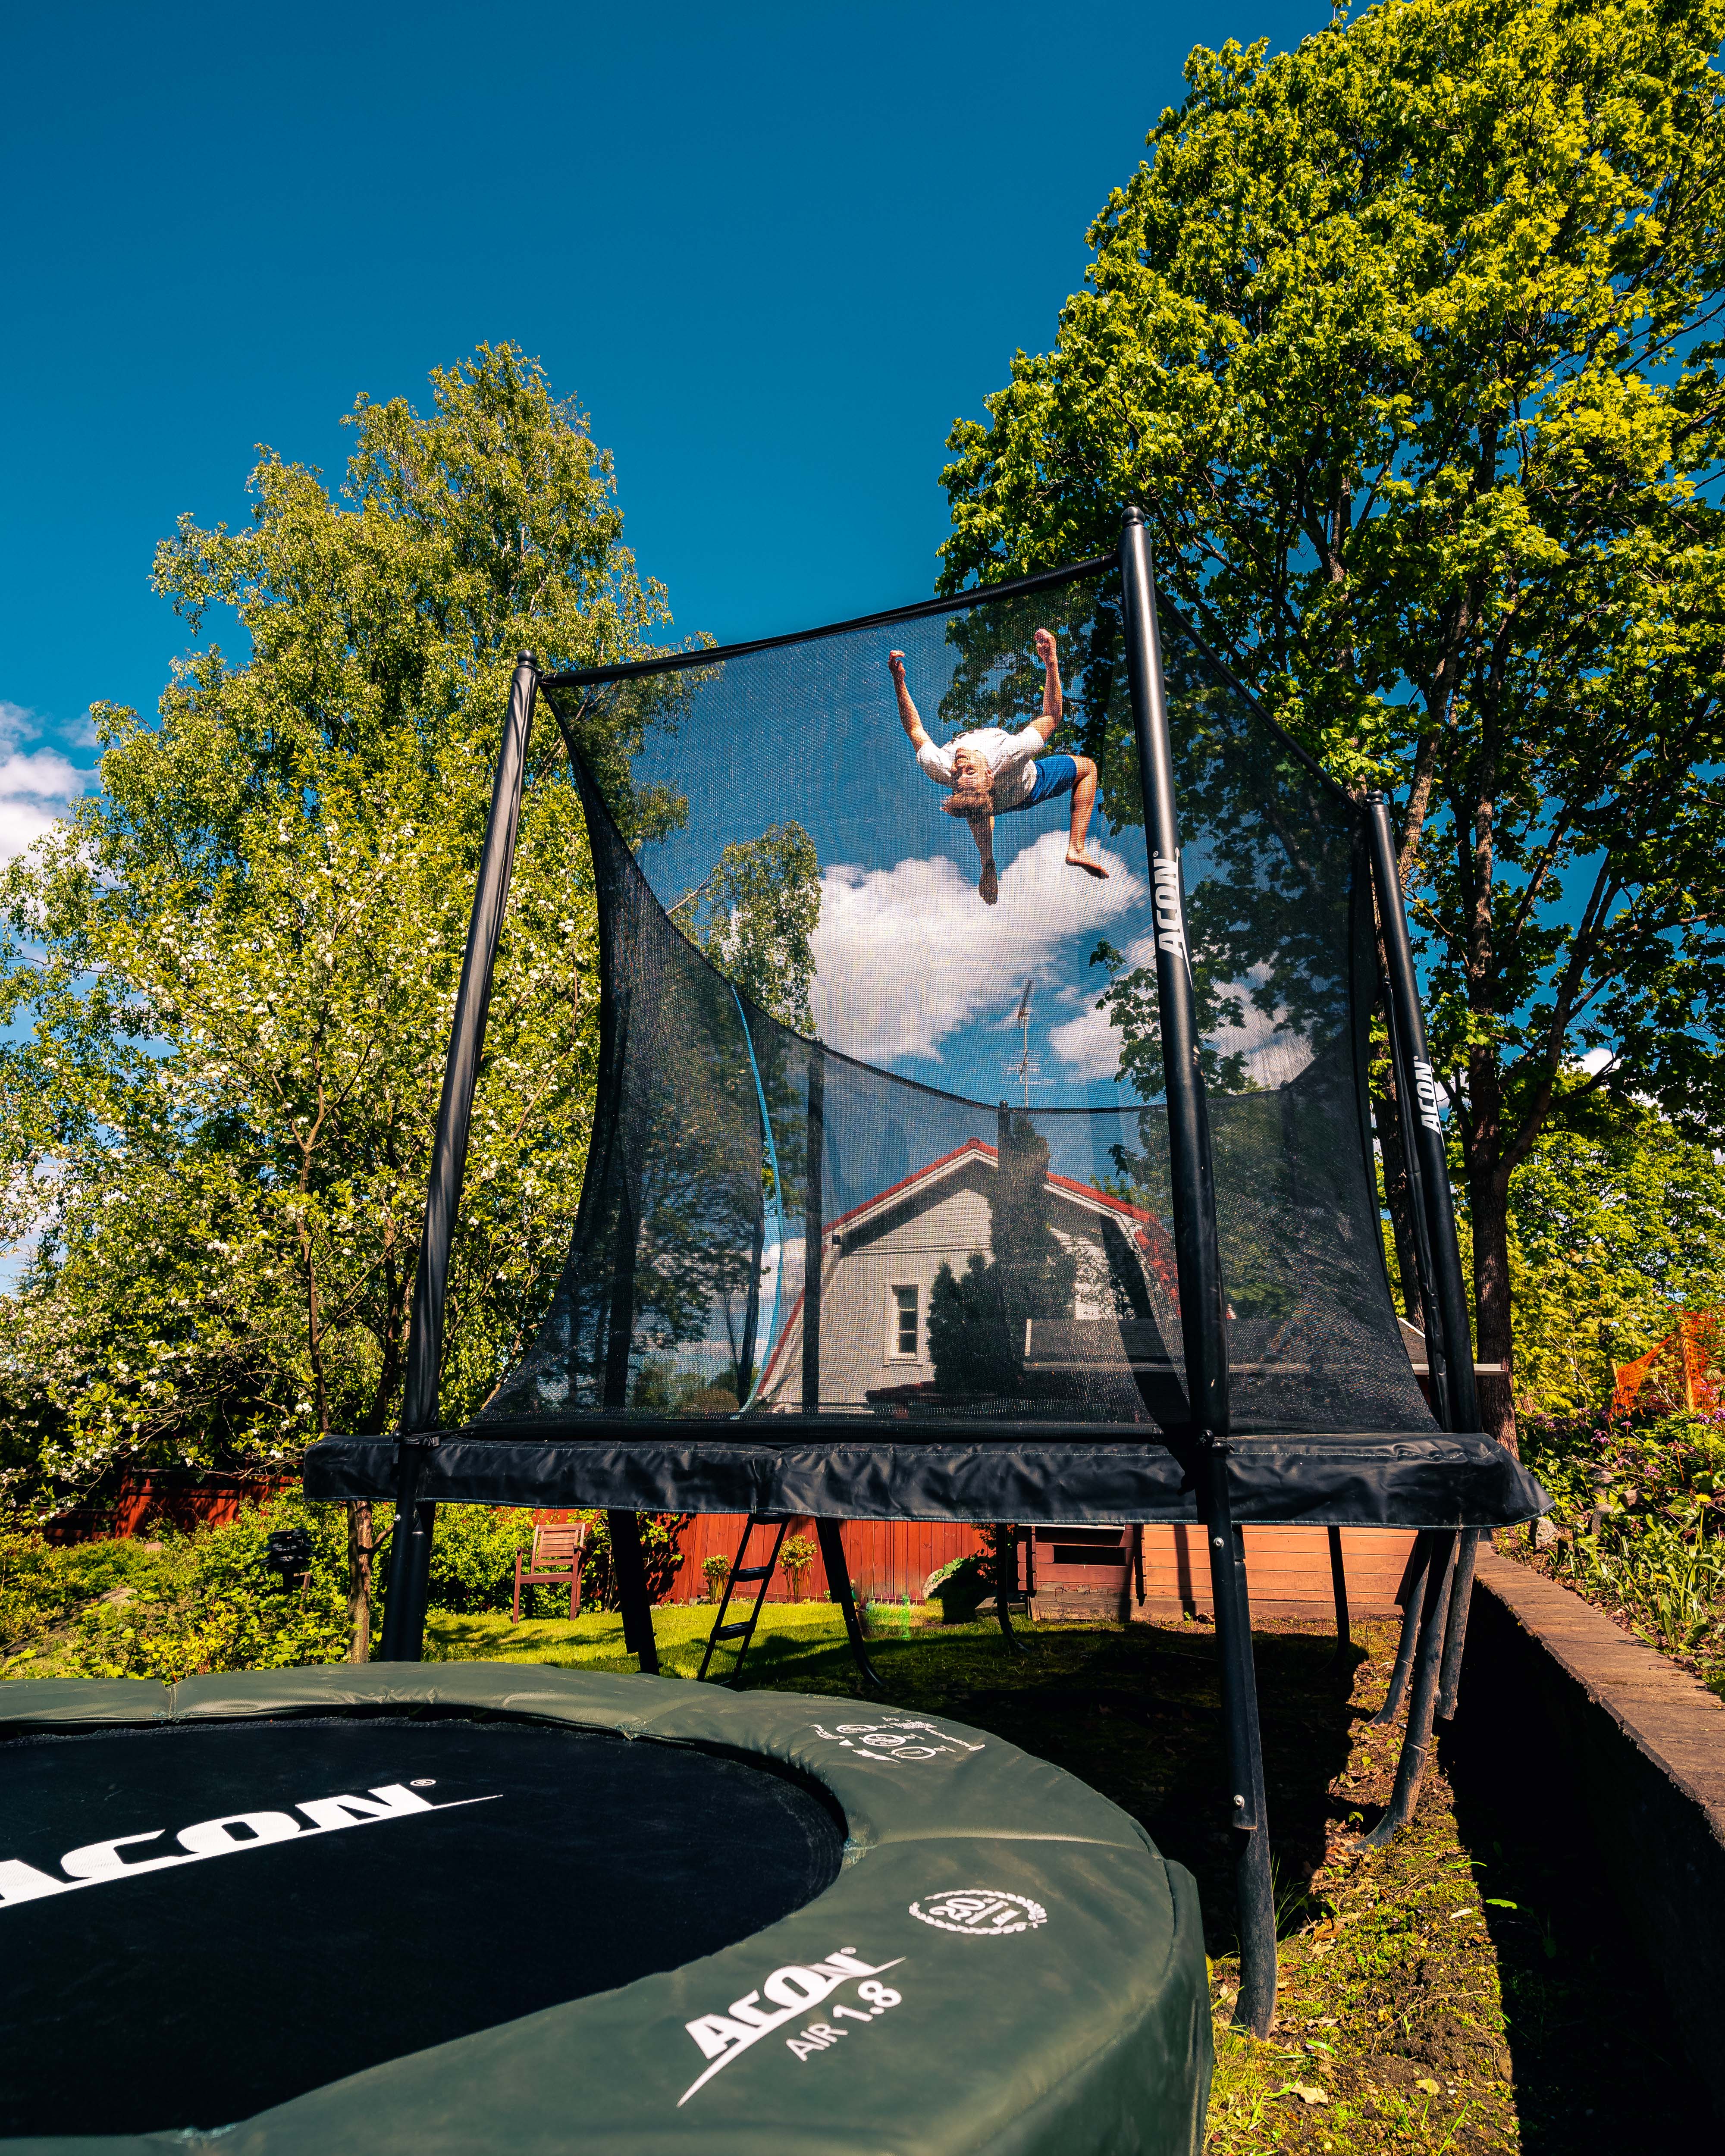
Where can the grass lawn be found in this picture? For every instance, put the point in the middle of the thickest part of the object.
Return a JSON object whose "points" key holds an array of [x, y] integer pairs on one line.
{"points": [[1468, 1990], [594, 1641]]}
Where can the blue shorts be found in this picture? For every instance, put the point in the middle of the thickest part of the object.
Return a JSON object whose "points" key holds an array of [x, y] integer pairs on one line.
{"points": [[1055, 775]]}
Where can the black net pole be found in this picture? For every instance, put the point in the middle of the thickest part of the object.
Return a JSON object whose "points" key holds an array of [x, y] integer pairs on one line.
{"points": [[1198, 1261], [1416, 1745], [826, 1531], [629, 1566], [1437, 1364], [620, 1317], [410, 1547], [1436, 1204], [1424, 1126], [814, 1229]]}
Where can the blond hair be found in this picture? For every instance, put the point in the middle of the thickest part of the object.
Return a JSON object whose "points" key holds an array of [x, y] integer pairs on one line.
{"points": [[970, 796]]}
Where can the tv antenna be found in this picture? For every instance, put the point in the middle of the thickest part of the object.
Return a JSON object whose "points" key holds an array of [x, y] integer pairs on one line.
{"points": [[1024, 1067]]}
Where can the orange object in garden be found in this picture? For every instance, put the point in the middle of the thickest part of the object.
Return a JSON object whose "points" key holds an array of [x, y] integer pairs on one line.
{"points": [[1683, 1371]]}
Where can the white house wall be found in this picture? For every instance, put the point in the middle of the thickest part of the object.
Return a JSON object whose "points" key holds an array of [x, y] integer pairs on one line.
{"points": [[906, 1248]]}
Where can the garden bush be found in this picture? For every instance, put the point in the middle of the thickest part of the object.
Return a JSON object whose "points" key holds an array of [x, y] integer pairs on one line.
{"points": [[181, 1605], [1640, 1510]]}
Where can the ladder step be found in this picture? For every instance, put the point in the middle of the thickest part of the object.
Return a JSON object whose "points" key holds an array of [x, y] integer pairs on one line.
{"points": [[733, 1631], [753, 1572], [771, 1519]]}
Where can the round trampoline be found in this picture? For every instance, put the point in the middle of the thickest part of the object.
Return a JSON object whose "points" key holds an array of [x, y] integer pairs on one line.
{"points": [[480, 1906]]}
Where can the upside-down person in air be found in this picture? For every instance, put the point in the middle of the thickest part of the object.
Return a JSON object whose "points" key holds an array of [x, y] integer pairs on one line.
{"points": [[989, 771]]}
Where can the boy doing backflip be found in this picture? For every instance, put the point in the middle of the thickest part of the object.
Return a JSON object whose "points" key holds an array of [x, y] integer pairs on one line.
{"points": [[989, 771]]}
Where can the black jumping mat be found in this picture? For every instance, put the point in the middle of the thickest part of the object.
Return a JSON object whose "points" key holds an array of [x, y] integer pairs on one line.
{"points": [[405, 1882]]}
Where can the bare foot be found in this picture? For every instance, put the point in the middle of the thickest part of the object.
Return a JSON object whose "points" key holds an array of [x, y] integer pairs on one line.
{"points": [[1075, 860], [988, 884]]}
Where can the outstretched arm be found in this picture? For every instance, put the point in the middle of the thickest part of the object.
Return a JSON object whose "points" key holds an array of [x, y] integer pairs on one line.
{"points": [[981, 829], [1051, 705], [907, 713]]}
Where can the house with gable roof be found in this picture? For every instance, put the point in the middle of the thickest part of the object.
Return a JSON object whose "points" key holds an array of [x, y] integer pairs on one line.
{"points": [[880, 1260]]}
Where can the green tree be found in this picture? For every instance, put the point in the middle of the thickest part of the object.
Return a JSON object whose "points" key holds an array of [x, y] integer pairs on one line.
{"points": [[977, 1319], [237, 963], [1402, 340], [754, 918], [1617, 1228]]}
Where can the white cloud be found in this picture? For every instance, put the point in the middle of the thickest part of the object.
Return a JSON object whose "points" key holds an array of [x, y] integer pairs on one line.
{"points": [[1088, 1044], [906, 957], [1273, 1055], [35, 785]]}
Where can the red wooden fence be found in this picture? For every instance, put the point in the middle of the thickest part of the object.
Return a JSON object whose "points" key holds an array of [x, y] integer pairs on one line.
{"points": [[171, 1496], [889, 1558]]}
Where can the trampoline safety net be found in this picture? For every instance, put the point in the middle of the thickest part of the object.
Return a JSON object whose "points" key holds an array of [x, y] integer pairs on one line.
{"points": [[811, 1004], [881, 1148]]}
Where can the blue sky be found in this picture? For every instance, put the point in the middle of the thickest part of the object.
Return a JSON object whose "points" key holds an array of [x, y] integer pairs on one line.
{"points": [[774, 251]]}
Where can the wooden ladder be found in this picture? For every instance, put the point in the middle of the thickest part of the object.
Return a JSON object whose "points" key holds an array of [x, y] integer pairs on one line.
{"points": [[742, 1634]]}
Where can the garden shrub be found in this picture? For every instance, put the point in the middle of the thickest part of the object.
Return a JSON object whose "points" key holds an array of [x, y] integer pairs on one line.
{"points": [[796, 1561], [473, 1560], [207, 1601], [961, 1586], [184, 1605], [1641, 1508], [660, 1551], [42, 1583]]}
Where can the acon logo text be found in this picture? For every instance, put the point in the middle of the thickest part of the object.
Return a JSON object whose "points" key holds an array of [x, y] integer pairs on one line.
{"points": [[784, 1996], [105, 1864], [1425, 1092], [1170, 908]]}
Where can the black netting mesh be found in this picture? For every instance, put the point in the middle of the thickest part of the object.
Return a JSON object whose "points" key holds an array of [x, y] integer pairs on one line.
{"points": [[807, 992]]}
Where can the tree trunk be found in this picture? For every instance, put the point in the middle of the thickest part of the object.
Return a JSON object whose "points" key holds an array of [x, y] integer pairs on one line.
{"points": [[1488, 1205], [360, 1550]]}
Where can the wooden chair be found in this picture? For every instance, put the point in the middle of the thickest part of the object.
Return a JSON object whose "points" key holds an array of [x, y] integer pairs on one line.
{"points": [[557, 1554]]}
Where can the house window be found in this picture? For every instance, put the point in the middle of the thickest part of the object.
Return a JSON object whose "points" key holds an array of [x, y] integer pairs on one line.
{"points": [[903, 1324]]}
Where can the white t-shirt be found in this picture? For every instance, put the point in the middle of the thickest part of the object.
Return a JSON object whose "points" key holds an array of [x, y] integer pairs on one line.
{"points": [[1009, 757]]}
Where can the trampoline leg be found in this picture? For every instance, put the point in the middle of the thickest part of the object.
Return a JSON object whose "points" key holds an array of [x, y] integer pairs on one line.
{"points": [[1006, 1581], [1410, 1626], [832, 1556], [1455, 1632], [409, 1584], [1416, 1744], [1254, 1892], [1343, 1655], [632, 1589]]}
